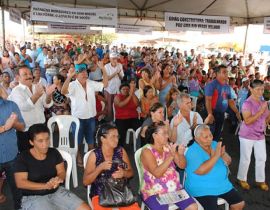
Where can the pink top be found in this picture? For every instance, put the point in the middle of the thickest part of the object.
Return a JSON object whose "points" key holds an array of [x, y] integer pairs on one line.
{"points": [[254, 131], [169, 182]]}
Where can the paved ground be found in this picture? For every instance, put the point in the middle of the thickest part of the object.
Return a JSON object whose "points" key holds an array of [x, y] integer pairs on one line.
{"points": [[255, 198]]}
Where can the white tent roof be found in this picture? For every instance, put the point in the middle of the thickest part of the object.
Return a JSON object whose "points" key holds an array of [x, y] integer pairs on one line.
{"points": [[151, 12]]}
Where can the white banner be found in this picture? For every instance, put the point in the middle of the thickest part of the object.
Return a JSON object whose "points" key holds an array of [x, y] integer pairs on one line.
{"points": [[67, 28], [15, 15], [266, 28], [128, 29], [185, 22], [50, 13]]}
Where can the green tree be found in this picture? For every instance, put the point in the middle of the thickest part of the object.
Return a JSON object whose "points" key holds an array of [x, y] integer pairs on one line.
{"points": [[105, 38]]}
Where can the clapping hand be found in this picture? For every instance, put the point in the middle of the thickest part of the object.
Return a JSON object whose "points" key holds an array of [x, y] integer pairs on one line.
{"points": [[71, 72], [54, 182], [50, 89], [10, 121], [177, 119], [39, 89]]}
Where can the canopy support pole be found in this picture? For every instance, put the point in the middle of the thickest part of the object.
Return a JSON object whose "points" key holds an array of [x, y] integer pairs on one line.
{"points": [[245, 42], [3, 25]]}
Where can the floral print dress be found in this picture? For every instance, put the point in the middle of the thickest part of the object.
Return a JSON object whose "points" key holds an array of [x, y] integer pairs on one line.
{"points": [[169, 182]]}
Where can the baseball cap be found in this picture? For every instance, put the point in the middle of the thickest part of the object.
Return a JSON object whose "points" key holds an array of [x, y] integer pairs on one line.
{"points": [[80, 68], [113, 55], [245, 79]]}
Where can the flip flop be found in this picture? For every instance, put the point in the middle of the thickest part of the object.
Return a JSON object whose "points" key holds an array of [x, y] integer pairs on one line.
{"points": [[3, 198]]}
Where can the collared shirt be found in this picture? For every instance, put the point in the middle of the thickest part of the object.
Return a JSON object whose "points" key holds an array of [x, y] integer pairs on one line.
{"points": [[52, 70], [8, 139], [83, 103], [32, 113], [40, 60], [115, 82], [184, 133]]}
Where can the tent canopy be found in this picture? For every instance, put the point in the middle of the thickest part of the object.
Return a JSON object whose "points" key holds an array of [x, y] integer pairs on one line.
{"points": [[151, 12]]}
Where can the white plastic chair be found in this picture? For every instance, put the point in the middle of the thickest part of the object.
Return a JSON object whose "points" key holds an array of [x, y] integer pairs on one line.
{"points": [[194, 102], [129, 131], [137, 132], [64, 124], [67, 157], [138, 163]]}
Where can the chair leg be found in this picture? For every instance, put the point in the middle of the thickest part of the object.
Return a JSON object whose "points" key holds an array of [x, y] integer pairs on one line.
{"points": [[127, 136], [74, 172], [85, 146]]}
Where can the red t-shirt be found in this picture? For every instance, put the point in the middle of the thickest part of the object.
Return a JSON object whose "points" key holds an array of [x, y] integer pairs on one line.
{"points": [[126, 112]]}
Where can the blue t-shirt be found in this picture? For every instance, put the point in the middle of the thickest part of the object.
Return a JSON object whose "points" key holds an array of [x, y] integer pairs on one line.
{"points": [[99, 51], [215, 182], [220, 95], [8, 139]]}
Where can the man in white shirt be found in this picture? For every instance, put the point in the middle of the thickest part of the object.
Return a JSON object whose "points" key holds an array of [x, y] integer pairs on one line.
{"points": [[40, 61], [52, 67], [183, 124], [31, 100], [115, 75], [83, 103]]}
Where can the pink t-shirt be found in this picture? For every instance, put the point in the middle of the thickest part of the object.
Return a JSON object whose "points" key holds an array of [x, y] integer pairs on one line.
{"points": [[254, 131]]}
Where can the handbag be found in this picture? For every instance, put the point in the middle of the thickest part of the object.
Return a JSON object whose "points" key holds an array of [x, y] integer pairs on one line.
{"points": [[116, 193]]}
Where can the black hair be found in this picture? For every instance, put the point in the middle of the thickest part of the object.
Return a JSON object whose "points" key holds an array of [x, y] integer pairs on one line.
{"points": [[153, 128], [256, 83], [102, 130], [60, 77], [218, 68], [146, 89], [123, 85], [155, 107], [37, 129]]}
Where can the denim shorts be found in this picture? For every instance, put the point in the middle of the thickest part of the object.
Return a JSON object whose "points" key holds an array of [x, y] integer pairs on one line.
{"points": [[62, 199]]}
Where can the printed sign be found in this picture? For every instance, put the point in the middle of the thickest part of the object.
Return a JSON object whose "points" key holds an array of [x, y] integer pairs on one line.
{"points": [[15, 15], [185, 22], [128, 29], [266, 28], [50, 13]]}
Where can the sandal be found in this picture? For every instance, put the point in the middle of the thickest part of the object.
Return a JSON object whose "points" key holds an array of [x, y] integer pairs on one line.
{"points": [[262, 185], [243, 184], [3, 198]]}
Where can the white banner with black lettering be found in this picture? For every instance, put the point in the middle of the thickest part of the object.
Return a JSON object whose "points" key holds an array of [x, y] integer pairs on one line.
{"points": [[15, 15], [50, 13], [266, 28], [128, 29], [68, 28], [185, 22]]}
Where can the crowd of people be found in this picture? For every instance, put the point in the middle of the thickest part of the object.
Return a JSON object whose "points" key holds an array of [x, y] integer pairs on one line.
{"points": [[178, 101]]}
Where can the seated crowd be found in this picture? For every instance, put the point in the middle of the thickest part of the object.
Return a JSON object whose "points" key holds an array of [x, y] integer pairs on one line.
{"points": [[175, 101]]}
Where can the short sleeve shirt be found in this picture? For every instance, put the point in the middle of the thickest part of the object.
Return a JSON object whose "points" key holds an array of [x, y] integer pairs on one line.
{"points": [[220, 95], [39, 171], [83, 103], [215, 182]]}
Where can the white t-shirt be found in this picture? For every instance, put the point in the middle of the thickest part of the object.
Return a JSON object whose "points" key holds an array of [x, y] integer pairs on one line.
{"points": [[115, 82], [81, 107], [184, 133]]}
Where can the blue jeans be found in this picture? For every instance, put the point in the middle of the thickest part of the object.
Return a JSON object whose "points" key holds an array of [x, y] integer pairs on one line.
{"points": [[9, 168], [49, 78], [216, 127], [42, 72], [86, 130]]}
